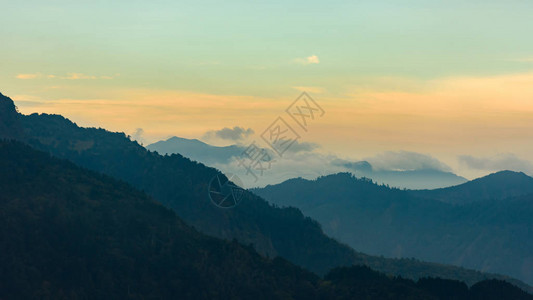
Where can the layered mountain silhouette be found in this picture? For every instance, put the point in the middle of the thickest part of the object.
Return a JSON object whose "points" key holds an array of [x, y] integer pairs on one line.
{"points": [[197, 150], [412, 179], [10, 126], [497, 186], [70, 233], [222, 156], [488, 233], [181, 184]]}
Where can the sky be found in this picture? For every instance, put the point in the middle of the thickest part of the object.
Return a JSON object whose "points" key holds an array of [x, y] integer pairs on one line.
{"points": [[450, 79]]}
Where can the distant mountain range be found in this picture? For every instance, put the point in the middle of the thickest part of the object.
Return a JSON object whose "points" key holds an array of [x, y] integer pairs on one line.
{"points": [[484, 224], [497, 186], [414, 179], [197, 150], [181, 185], [223, 156], [70, 233]]}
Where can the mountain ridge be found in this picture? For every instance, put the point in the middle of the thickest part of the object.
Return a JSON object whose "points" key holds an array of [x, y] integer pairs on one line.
{"points": [[197, 150], [495, 186], [491, 235], [181, 185], [222, 156], [70, 233]]}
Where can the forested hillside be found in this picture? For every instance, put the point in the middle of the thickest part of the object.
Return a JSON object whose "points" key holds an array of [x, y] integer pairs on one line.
{"points": [[493, 235]]}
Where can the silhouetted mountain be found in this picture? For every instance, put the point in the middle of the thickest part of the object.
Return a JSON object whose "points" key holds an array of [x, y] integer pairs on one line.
{"points": [[182, 185], [492, 236], [10, 126], [416, 179], [220, 156], [496, 186], [70, 233], [66, 232], [359, 282], [197, 150], [410, 179]]}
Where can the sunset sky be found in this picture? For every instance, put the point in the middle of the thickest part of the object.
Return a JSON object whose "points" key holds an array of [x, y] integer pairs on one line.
{"points": [[450, 79]]}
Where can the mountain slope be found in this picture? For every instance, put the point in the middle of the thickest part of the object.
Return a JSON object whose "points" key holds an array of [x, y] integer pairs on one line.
{"points": [[66, 232], [221, 156], [492, 236], [197, 150], [496, 186], [416, 179], [181, 185], [424, 178], [10, 126]]}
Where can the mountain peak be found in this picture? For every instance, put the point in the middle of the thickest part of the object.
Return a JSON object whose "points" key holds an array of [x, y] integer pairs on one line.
{"points": [[10, 127], [506, 174], [6, 103], [502, 179], [495, 186], [176, 139]]}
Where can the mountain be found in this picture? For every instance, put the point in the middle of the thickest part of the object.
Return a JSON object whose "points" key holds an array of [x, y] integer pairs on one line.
{"points": [[67, 232], [425, 178], [70, 233], [497, 186], [415, 179], [222, 157], [182, 185], [360, 282], [197, 150], [491, 236], [9, 119]]}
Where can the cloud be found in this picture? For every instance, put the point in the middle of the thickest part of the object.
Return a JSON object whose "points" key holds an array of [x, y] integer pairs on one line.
{"points": [[230, 134], [313, 59], [138, 135], [310, 89], [358, 166], [503, 161], [394, 161], [69, 76], [28, 76], [297, 147], [405, 161], [76, 76]]}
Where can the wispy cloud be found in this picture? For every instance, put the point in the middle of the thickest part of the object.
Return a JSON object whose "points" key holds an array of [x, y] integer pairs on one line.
{"points": [[138, 135], [313, 59], [81, 76], [231, 134], [310, 89], [503, 161], [405, 161], [302, 147], [28, 76], [76, 76], [69, 76]]}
